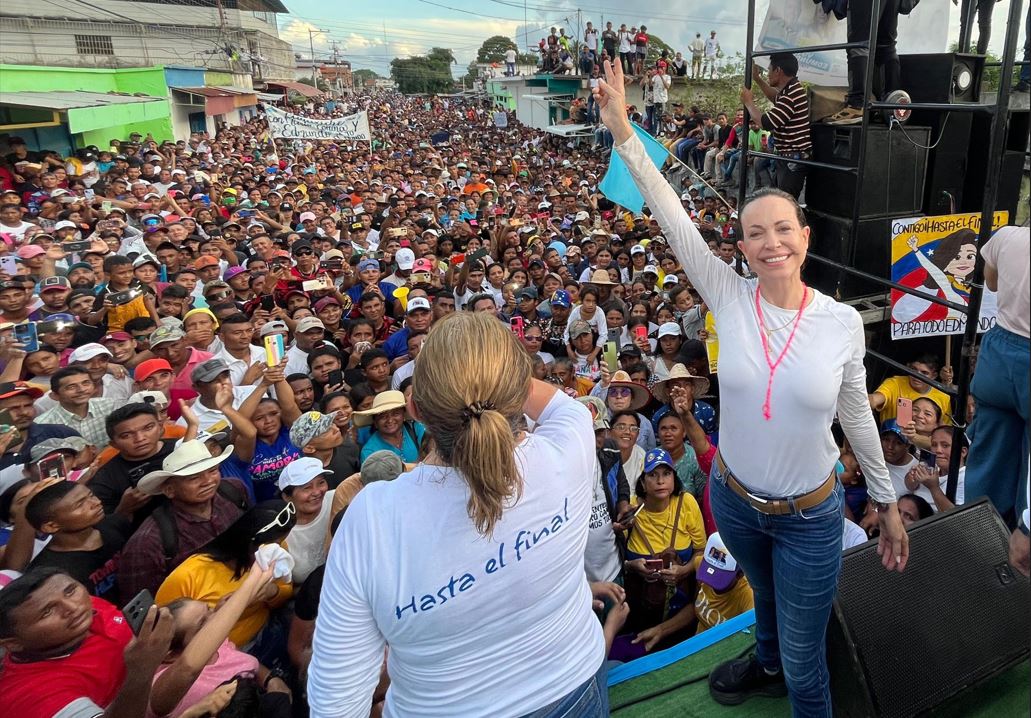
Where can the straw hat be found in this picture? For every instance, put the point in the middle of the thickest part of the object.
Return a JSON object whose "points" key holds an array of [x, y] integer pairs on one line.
{"points": [[600, 278], [639, 394], [385, 401], [189, 458], [679, 371]]}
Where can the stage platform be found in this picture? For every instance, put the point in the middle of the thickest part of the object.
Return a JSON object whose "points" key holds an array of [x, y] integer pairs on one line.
{"points": [[1005, 696]]}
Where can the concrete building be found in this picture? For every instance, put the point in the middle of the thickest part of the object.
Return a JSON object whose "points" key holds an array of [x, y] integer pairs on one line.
{"points": [[539, 101], [336, 74], [236, 36], [62, 108]]}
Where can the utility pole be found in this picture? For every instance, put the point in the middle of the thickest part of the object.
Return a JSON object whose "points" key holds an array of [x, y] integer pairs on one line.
{"points": [[526, 30], [311, 44]]}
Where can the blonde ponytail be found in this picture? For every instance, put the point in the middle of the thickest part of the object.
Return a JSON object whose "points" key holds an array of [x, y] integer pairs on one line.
{"points": [[469, 387]]}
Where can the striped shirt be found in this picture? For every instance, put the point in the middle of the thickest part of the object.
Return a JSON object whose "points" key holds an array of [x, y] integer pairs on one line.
{"points": [[789, 119]]}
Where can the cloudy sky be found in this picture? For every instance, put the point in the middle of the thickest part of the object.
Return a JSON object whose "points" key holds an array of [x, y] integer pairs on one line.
{"points": [[370, 34]]}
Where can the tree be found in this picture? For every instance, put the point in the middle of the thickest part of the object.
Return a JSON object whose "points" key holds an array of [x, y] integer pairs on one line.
{"points": [[655, 47], [424, 74], [360, 77], [493, 50]]}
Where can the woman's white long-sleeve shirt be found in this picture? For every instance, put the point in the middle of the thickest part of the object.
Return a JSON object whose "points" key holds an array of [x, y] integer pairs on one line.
{"points": [[823, 372], [475, 626]]}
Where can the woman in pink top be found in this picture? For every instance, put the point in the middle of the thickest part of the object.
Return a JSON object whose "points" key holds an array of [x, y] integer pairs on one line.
{"points": [[201, 657]]}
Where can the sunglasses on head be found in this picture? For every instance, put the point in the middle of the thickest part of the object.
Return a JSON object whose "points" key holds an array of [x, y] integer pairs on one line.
{"points": [[282, 519]]}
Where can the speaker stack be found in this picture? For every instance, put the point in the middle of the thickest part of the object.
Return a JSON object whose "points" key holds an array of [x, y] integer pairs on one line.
{"points": [[904, 644], [957, 164], [892, 187]]}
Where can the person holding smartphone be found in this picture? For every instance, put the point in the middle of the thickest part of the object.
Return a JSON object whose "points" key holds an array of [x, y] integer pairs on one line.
{"points": [[790, 359]]}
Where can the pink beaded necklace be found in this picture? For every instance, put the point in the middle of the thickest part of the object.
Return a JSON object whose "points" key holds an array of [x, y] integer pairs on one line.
{"points": [[773, 364]]}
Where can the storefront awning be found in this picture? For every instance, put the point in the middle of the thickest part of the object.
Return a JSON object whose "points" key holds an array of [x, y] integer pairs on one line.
{"points": [[87, 111], [220, 100], [298, 87]]}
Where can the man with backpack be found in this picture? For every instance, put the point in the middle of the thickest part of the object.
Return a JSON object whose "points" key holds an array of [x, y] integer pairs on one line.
{"points": [[199, 505]]}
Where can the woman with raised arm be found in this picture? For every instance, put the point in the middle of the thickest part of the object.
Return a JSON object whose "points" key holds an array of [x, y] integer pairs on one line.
{"points": [[470, 567], [789, 358]]}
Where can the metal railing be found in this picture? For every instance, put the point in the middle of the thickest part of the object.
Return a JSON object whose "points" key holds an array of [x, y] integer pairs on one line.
{"points": [[998, 113]]}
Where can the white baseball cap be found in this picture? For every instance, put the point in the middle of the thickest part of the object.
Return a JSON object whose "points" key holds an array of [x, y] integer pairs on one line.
{"points": [[638, 249], [405, 258], [418, 303], [87, 352], [669, 329], [301, 471]]}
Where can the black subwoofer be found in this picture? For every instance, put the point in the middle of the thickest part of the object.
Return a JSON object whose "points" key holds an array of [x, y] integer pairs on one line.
{"points": [[902, 644], [893, 178]]}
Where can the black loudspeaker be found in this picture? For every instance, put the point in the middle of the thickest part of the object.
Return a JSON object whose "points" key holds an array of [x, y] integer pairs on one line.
{"points": [[947, 162], [868, 249], [1011, 169], [893, 181], [941, 77], [902, 644]]}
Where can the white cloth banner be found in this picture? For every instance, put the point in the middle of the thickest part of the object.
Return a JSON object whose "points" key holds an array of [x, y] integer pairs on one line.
{"points": [[802, 23], [284, 125]]}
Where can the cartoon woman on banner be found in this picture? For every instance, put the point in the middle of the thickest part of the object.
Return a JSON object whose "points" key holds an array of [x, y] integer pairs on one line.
{"points": [[945, 270]]}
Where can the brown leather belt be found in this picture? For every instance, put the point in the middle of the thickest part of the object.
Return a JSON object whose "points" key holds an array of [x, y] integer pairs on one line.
{"points": [[777, 507]]}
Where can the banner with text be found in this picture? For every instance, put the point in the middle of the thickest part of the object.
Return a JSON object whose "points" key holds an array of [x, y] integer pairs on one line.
{"points": [[283, 125], [803, 23], [937, 255]]}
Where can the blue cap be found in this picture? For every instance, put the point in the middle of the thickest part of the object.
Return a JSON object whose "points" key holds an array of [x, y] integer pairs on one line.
{"points": [[561, 298], [892, 426], [656, 458], [368, 263], [559, 247]]}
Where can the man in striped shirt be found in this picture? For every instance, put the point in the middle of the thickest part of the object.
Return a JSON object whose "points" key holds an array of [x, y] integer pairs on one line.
{"points": [[788, 119]]}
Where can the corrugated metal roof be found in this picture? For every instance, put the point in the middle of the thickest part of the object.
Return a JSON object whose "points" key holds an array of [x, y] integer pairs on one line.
{"points": [[214, 91], [298, 87], [57, 100]]}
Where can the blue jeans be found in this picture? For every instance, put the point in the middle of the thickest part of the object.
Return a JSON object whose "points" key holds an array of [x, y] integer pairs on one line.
{"points": [[793, 563], [588, 700], [1000, 386]]}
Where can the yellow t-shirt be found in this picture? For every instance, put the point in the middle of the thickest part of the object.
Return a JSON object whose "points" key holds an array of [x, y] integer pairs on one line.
{"points": [[202, 579], [120, 315], [658, 528], [713, 608], [897, 387]]}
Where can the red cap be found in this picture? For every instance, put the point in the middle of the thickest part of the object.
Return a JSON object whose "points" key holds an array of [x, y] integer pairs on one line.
{"points": [[149, 368], [116, 337]]}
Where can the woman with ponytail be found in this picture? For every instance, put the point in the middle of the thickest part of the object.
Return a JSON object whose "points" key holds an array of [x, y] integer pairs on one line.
{"points": [[470, 567]]}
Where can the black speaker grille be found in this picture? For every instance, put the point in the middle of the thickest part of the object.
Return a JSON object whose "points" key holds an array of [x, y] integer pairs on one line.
{"points": [[956, 616]]}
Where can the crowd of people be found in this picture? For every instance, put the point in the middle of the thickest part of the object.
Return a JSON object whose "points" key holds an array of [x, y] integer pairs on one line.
{"points": [[209, 349], [562, 54]]}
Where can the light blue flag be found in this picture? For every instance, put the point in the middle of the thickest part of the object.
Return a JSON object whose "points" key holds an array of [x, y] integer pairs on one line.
{"points": [[618, 185]]}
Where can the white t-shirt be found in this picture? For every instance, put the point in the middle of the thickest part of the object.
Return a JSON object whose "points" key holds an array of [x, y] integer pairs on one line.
{"points": [[307, 543], [296, 361], [792, 452], [925, 493], [601, 558], [624, 41], [475, 626], [633, 468], [120, 389], [852, 535], [510, 56], [208, 417], [712, 47], [898, 476]]}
